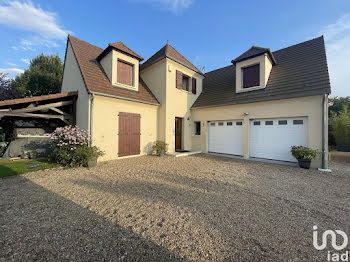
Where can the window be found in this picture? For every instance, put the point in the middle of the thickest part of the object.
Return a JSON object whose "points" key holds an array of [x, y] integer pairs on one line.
{"points": [[298, 122], [268, 123], [185, 83], [221, 123], [251, 76], [212, 124], [197, 128], [125, 73], [239, 123], [229, 123], [282, 122], [256, 123]]}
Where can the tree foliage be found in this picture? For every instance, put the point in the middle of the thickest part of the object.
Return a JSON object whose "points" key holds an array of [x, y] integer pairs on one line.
{"points": [[7, 89], [43, 76], [341, 126], [337, 104]]}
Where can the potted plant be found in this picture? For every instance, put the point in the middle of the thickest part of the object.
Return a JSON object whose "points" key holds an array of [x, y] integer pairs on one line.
{"points": [[159, 148], [304, 155]]}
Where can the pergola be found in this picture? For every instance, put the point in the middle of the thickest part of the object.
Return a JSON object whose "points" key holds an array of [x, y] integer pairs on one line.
{"points": [[55, 106]]}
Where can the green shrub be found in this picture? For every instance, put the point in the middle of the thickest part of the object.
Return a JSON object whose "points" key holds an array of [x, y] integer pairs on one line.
{"points": [[341, 126], [158, 147], [303, 153]]}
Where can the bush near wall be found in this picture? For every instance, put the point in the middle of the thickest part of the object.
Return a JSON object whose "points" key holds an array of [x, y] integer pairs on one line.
{"points": [[71, 147], [341, 126]]}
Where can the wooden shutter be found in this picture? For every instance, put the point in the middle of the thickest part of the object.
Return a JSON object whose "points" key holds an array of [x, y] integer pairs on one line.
{"points": [[251, 76], [194, 85], [124, 73], [129, 134], [178, 79]]}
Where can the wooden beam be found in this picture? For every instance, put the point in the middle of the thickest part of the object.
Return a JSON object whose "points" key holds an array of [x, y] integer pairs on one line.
{"points": [[47, 106], [57, 110], [46, 116]]}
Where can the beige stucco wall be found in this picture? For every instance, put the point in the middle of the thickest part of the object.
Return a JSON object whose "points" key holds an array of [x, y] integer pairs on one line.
{"points": [[155, 78], [310, 107], [73, 81], [265, 69], [178, 104], [107, 65], [105, 124]]}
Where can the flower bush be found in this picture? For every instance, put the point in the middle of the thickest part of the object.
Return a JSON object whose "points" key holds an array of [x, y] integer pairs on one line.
{"points": [[71, 147], [303, 153]]}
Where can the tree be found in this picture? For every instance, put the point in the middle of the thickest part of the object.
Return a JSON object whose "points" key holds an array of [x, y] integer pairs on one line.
{"points": [[7, 89], [337, 104], [43, 76], [341, 126]]}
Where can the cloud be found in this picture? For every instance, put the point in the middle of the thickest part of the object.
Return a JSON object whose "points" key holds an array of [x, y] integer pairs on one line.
{"points": [[337, 38], [43, 25], [25, 60], [175, 6], [11, 64], [26, 16], [12, 71]]}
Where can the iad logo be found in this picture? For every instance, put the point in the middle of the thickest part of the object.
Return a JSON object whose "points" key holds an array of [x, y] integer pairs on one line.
{"points": [[333, 237]]}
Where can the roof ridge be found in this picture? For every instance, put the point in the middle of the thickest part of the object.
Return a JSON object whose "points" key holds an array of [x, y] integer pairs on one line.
{"points": [[299, 43], [219, 68], [184, 58], [69, 36]]}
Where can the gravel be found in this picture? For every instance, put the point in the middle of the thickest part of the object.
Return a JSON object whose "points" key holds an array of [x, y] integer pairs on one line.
{"points": [[196, 208]]}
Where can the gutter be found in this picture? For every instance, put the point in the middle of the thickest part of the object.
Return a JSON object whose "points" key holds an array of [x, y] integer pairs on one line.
{"points": [[92, 97], [124, 98], [324, 126]]}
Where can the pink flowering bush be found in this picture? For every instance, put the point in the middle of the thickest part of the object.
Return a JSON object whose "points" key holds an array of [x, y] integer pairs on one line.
{"points": [[71, 147]]}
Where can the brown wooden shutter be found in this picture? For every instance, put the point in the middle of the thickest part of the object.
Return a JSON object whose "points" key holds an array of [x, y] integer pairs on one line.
{"points": [[124, 73], [129, 134], [178, 79], [251, 76], [194, 85]]}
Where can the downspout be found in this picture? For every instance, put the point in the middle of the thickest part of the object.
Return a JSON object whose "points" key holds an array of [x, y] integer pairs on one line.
{"points": [[91, 116], [324, 126]]}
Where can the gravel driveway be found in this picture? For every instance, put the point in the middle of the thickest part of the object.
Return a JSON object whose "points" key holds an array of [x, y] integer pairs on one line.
{"points": [[197, 208]]}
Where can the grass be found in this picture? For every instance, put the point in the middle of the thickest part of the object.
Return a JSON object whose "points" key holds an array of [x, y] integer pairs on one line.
{"points": [[16, 167]]}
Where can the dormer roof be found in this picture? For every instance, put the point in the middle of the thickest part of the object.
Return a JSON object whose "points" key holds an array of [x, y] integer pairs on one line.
{"points": [[96, 80], [121, 47], [254, 51], [168, 51]]}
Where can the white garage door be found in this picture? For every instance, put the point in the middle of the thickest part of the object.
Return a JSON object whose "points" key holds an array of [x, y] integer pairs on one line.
{"points": [[226, 137], [273, 138]]}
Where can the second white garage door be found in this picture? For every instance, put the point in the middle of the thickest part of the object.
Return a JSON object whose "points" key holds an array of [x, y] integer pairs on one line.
{"points": [[226, 137], [273, 138]]}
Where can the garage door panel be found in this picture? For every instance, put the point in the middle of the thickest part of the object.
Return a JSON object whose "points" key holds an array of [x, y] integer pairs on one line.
{"points": [[274, 141], [226, 138]]}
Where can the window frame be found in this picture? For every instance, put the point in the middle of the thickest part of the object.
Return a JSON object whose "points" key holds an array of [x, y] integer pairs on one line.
{"points": [[242, 77], [197, 132], [188, 82], [132, 73]]}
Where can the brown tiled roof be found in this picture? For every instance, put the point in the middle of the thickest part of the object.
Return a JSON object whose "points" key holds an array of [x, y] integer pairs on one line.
{"points": [[170, 52], [36, 98], [95, 78], [301, 70], [253, 52], [123, 48]]}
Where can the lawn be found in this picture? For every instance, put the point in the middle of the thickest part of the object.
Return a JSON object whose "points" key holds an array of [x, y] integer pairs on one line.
{"points": [[16, 167]]}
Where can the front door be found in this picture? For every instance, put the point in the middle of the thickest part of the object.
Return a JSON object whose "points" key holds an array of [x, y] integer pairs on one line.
{"points": [[178, 133], [129, 134]]}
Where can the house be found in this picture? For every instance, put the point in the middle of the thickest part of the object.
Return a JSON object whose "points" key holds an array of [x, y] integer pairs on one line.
{"points": [[256, 107]]}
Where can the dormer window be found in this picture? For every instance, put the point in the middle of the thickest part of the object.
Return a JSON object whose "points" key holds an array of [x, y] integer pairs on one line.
{"points": [[125, 73], [251, 76]]}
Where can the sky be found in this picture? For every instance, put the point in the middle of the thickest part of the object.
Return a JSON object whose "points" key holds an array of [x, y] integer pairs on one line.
{"points": [[208, 33]]}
